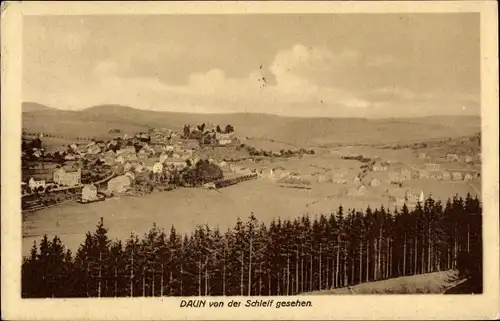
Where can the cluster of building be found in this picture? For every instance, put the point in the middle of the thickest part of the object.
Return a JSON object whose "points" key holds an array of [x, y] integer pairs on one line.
{"points": [[157, 152], [468, 159], [432, 171], [405, 196], [160, 136], [451, 157], [64, 176]]}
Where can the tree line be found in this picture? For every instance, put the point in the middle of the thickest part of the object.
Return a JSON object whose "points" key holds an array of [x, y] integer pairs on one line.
{"points": [[283, 257]]}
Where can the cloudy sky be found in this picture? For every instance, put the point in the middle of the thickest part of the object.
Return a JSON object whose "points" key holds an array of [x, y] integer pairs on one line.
{"points": [[358, 65]]}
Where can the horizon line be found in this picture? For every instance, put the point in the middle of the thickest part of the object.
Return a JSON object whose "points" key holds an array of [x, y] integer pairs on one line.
{"points": [[248, 112]]}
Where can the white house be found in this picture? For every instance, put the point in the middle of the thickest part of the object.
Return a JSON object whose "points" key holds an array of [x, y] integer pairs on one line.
{"points": [[378, 167], [264, 173], [132, 157], [225, 142], [32, 183], [157, 168], [457, 176], [423, 174], [89, 192], [322, 178], [405, 175], [37, 153], [209, 185], [431, 167], [279, 173], [127, 166], [338, 178], [414, 197], [147, 149], [394, 177], [375, 182], [422, 155], [139, 167], [94, 149], [120, 159], [223, 139], [356, 191]]}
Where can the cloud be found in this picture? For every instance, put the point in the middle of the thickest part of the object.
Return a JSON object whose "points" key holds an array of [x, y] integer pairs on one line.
{"points": [[309, 66], [298, 81]]}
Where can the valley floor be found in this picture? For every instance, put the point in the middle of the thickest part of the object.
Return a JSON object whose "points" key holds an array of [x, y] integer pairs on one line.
{"points": [[185, 208]]}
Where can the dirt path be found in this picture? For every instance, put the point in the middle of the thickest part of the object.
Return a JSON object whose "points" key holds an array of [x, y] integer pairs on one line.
{"points": [[430, 283]]}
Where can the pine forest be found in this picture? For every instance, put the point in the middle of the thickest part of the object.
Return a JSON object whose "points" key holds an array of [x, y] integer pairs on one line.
{"points": [[282, 257]]}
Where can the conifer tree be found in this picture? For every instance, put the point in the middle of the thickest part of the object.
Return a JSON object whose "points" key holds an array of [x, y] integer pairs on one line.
{"points": [[253, 258]]}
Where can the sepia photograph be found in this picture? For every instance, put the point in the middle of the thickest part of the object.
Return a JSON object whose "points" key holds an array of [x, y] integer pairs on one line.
{"points": [[272, 158]]}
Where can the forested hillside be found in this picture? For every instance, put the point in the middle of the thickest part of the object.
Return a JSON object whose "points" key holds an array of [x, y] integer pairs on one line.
{"points": [[282, 258]]}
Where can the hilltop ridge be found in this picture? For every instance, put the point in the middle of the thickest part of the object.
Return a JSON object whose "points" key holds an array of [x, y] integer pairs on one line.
{"points": [[97, 120]]}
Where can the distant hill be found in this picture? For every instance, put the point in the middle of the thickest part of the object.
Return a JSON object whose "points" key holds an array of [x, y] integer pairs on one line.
{"points": [[97, 120], [324, 131], [31, 107]]}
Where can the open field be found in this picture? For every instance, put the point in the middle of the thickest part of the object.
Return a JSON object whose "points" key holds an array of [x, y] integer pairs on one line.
{"points": [[430, 283], [186, 208]]}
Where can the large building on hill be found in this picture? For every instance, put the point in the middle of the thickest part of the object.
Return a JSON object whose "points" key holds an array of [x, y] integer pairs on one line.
{"points": [[67, 177], [224, 139]]}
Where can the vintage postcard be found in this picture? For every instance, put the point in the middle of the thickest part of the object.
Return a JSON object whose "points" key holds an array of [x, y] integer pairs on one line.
{"points": [[250, 160]]}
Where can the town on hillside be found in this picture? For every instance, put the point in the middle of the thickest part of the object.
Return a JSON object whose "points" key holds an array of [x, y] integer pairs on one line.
{"points": [[206, 156]]}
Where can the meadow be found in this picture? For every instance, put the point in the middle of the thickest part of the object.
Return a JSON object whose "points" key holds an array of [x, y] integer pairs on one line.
{"points": [[188, 207]]}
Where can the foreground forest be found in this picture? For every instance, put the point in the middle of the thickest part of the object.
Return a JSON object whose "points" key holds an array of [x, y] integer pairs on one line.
{"points": [[280, 258]]}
